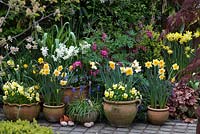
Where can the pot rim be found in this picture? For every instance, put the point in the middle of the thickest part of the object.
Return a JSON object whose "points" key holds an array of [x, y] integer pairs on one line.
{"points": [[121, 102], [50, 106], [70, 87], [20, 105], [156, 109]]}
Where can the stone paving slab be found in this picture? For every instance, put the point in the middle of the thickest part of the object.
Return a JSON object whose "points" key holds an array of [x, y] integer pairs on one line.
{"points": [[170, 127]]}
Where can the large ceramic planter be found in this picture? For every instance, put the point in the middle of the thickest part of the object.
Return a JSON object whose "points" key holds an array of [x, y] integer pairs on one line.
{"points": [[88, 117], [121, 113], [53, 113], [23, 111], [157, 116], [70, 93]]}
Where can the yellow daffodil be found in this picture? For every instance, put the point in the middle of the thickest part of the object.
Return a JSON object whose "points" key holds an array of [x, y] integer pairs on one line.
{"points": [[155, 62], [112, 65], [56, 72], [64, 74], [40, 60], [63, 82], [161, 71], [175, 66], [93, 65], [106, 93], [162, 77], [148, 64], [122, 69], [60, 68], [25, 66], [161, 63], [70, 68], [169, 51], [129, 71], [46, 72], [173, 80], [125, 95], [46, 66]]}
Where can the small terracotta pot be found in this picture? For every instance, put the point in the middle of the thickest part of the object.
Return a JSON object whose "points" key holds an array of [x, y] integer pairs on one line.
{"points": [[21, 111], [121, 113], [157, 116], [53, 113], [70, 95]]}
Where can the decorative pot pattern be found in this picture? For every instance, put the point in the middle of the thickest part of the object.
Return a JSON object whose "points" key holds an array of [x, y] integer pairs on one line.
{"points": [[157, 116], [21, 111], [121, 113], [53, 113], [73, 93]]}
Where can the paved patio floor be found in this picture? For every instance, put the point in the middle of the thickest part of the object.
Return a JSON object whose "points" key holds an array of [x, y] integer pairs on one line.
{"points": [[170, 127]]}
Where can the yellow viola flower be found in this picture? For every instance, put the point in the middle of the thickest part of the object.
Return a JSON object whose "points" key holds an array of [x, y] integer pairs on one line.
{"points": [[60, 68], [25, 66], [129, 71], [148, 64], [111, 94], [169, 51], [197, 34], [125, 95], [63, 82], [4, 97], [155, 62], [122, 69], [173, 80], [161, 71], [56, 72], [11, 63], [40, 60], [114, 86], [133, 91], [46, 66], [112, 65], [106, 93], [162, 77], [93, 65], [70, 68], [36, 87], [122, 87], [161, 63], [175, 66]]}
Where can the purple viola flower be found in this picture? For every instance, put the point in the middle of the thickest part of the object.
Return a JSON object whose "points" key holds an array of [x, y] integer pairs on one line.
{"points": [[104, 53], [98, 88], [149, 34], [73, 89], [103, 37], [94, 46]]}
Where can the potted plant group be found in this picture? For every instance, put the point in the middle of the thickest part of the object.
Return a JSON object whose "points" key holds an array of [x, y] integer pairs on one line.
{"points": [[159, 90], [51, 81], [20, 102], [84, 110], [121, 99]]}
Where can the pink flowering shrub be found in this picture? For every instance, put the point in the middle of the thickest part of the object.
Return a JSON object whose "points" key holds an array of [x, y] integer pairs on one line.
{"points": [[182, 102]]}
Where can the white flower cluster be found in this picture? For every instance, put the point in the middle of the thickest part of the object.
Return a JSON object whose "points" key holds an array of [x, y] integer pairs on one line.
{"points": [[44, 51], [65, 53], [84, 47], [30, 42], [136, 66]]}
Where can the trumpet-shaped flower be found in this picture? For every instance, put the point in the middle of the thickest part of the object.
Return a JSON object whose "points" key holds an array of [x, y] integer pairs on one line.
{"points": [[175, 66], [129, 71], [63, 82], [112, 65], [148, 64], [60, 68], [56, 72], [155, 62], [161, 71], [40, 60]]}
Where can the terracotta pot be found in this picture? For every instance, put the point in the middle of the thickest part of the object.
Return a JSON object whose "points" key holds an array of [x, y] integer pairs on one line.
{"points": [[88, 117], [157, 116], [121, 113], [23, 111], [53, 113], [70, 95]]}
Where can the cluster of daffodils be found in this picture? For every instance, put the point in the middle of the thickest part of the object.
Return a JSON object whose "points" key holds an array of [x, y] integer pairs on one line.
{"points": [[127, 70], [17, 93], [120, 92], [45, 70], [161, 70]]}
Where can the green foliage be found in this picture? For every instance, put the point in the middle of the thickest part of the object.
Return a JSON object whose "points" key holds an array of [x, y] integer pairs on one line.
{"points": [[81, 108], [23, 127]]}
